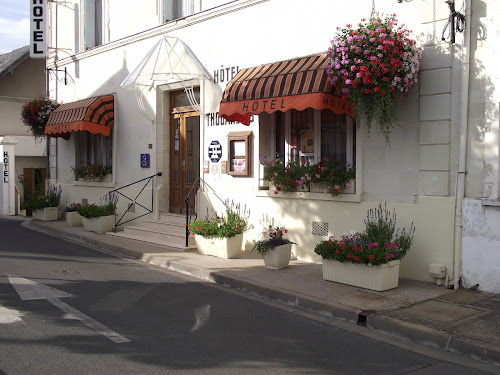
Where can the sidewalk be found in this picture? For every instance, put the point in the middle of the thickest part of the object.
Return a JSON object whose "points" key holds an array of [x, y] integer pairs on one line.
{"points": [[462, 321]]}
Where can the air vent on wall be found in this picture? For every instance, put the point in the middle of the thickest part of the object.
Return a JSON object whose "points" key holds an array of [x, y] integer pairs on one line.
{"points": [[319, 228]]}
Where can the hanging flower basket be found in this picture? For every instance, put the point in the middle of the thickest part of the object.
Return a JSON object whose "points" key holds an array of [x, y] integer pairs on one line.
{"points": [[35, 114], [376, 63]]}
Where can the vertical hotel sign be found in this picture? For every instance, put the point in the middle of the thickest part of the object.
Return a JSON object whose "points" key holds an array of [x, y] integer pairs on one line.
{"points": [[38, 29]]}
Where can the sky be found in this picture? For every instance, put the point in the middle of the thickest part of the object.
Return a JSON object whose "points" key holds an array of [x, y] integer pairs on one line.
{"points": [[14, 24]]}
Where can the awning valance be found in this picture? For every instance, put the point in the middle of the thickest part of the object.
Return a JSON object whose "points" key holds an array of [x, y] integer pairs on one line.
{"points": [[95, 115], [293, 84]]}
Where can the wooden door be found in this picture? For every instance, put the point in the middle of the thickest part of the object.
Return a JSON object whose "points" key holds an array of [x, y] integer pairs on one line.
{"points": [[184, 159], [34, 181]]}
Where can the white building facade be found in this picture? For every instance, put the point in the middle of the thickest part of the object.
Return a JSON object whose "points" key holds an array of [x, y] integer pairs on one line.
{"points": [[24, 160], [439, 172]]}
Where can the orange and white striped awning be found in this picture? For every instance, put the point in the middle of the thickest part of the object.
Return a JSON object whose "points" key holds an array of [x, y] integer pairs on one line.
{"points": [[95, 115], [293, 84]]}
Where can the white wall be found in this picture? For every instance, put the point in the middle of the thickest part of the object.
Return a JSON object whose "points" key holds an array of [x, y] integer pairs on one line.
{"points": [[481, 246]]}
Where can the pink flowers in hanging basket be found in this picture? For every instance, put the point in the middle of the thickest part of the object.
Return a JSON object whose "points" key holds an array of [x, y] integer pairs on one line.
{"points": [[375, 63]]}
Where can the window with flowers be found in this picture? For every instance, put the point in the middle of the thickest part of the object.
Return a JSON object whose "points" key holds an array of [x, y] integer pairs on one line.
{"points": [[93, 149], [307, 137]]}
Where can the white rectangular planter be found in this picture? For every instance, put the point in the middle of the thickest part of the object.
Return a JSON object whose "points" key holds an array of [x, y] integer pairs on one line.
{"points": [[380, 278], [100, 224], [73, 219], [220, 247], [278, 257], [46, 214]]}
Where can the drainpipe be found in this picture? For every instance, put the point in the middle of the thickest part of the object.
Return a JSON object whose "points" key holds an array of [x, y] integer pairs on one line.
{"points": [[462, 149]]}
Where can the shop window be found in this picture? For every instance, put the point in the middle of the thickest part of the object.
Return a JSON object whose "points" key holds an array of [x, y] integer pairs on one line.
{"points": [[174, 9], [308, 135], [93, 148]]}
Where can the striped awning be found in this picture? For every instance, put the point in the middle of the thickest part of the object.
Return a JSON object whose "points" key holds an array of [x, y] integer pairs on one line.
{"points": [[293, 84], [95, 115]]}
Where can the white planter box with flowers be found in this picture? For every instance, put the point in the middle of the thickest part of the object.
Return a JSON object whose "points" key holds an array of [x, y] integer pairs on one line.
{"points": [[382, 277], [100, 218], [368, 259], [221, 236], [227, 247], [46, 214], [101, 224], [45, 207]]}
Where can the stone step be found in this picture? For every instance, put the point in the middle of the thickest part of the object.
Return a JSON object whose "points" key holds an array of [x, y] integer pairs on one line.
{"points": [[169, 244], [173, 218], [164, 227], [147, 233]]}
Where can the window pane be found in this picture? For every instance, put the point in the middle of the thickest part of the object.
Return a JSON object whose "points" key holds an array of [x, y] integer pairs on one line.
{"points": [[176, 169], [181, 99], [93, 148], [333, 136], [98, 23], [193, 150], [302, 135], [280, 135]]}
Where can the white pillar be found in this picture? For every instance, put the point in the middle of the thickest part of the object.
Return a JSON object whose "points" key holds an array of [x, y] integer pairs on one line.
{"points": [[8, 176]]}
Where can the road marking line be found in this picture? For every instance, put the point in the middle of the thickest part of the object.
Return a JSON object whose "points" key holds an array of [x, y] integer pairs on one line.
{"points": [[8, 316], [88, 321], [31, 290]]}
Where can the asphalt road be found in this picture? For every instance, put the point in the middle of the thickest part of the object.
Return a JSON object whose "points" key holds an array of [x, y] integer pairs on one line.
{"points": [[68, 309]]}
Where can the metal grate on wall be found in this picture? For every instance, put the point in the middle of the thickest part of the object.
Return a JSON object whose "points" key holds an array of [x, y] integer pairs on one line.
{"points": [[319, 228]]}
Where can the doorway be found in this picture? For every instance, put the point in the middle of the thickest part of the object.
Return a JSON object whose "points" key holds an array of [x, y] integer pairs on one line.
{"points": [[33, 182], [184, 157]]}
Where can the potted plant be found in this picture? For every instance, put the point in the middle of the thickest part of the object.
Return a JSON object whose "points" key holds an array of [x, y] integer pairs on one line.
{"points": [[332, 177], [287, 177], [91, 172], [374, 64], [73, 218], [35, 114], [276, 250], [45, 207], [100, 218], [221, 236], [368, 259]]}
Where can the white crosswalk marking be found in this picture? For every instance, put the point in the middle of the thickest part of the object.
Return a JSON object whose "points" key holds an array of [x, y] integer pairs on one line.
{"points": [[8, 316], [31, 290]]}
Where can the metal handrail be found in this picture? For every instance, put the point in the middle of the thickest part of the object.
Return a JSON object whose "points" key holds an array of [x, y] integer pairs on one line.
{"points": [[188, 214], [134, 200]]}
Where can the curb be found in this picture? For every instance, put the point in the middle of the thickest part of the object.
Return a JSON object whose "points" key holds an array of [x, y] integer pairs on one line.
{"points": [[435, 338], [78, 238]]}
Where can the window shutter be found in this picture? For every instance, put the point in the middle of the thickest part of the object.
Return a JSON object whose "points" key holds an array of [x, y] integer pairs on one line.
{"points": [[168, 10], [89, 24]]}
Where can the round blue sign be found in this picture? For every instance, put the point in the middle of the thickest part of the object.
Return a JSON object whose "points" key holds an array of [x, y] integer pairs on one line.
{"points": [[215, 151]]}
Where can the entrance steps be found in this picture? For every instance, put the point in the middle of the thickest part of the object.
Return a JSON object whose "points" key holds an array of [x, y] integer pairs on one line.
{"points": [[169, 231]]}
